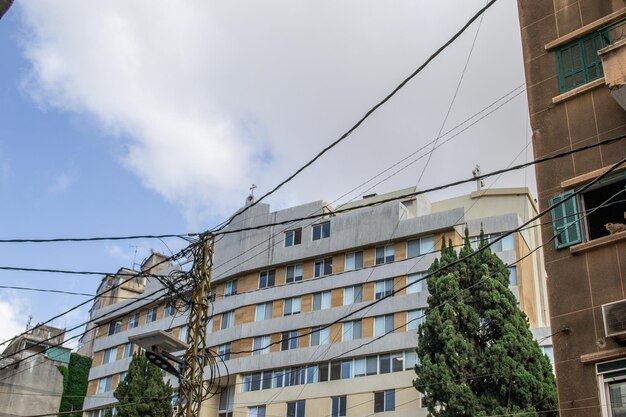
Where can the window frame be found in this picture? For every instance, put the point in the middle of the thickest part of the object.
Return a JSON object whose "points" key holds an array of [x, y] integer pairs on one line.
{"points": [[320, 231], [325, 299], [293, 237], [388, 399], [351, 295], [152, 314], [133, 321], [428, 240], [338, 405], [267, 278], [388, 286], [388, 254], [385, 318], [356, 263], [227, 324], [294, 268], [292, 302], [289, 340], [577, 46], [296, 408], [230, 288], [323, 267], [265, 310]]}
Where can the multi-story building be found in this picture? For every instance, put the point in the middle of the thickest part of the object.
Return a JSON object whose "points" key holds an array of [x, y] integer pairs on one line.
{"points": [[575, 62], [277, 287], [31, 383]]}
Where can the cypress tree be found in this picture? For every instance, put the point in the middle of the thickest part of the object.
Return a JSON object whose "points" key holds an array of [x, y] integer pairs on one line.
{"points": [[143, 392], [476, 353]]}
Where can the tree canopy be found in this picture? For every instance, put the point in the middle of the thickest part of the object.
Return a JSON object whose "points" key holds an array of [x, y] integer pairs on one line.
{"points": [[75, 380], [143, 393], [476, 353]]}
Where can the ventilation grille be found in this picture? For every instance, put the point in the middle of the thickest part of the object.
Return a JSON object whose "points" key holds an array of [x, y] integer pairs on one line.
{"points": [[614, 315]]}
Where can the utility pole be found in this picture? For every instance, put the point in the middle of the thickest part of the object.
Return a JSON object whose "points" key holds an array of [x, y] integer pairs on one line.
{"points": [[195, 359]]}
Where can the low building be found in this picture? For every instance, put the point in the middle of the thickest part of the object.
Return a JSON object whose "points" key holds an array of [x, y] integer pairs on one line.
{"points": [[276, 283], [34, 385]]}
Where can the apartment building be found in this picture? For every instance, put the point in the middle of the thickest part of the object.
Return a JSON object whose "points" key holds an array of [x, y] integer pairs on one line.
{"points": [[33, 385], [276, 287], [575, 63]]}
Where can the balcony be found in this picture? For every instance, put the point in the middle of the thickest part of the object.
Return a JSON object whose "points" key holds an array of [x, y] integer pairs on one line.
{"points": [[613, 57]]}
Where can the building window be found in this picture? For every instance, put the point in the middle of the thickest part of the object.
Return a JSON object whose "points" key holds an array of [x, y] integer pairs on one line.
{"points": [[267, 278], [292, 306], [384, 288], [115, 327], [123, 376], [321, 230], [320, 336], [352, 295], [261, 345], [264, 311], [170, 310], [384, 401], [354, 261], [323, 267], [415, 283], [321, 300], [586, 216], [295, 409], [293, 273], [230, 288], [505, 244], [513, 275], [383, 325], [104, 384], [578, 62], [415, 318], [258, 411], [152, 315], [612, 383], [128, 350], [338, 406], [227, 320], [421, 246], [224, 351], [352, 330], [293, 237], [289, 340], [110, 355], [385, 254], [184, 332], [133, 321], [227, 398]]}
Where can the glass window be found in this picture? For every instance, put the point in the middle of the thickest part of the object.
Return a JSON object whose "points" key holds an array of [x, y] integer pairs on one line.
{"points": [[152, 315], [311, 374], [323, 371], [383, 325], [385, 254], [371, 365], [104, 384], [352, 330], [294, 273], [384, 288], [321, 230], [335, 370], [353, 294], [278, 379], [293, 237], [549, 352], [230, 288], [513, 275], [359, 367], [421, 246], [338, 406], [295, 409], [227, 319], [384, 401], [224, 351], [128, 350], [258, 411], [320, 336], [321, 300], [261, 345], [323, 267], [184, 332], [354, 261], [291, 306], [410, 359], [255, 381], [416, 283], [578, 62], [110, 355], [267, 278], [170, 310], [397, 362], [415, 318], [346, 369], [133, 321], [384, 364], [264, 311], [289, 340], [115, 327]]}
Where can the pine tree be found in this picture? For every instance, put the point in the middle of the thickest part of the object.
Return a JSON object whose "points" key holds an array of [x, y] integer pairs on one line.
{"points": [[476, 353], [143, 392]]}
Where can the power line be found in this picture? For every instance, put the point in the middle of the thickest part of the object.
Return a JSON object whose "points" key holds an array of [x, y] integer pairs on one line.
{"points": [[52, 290], [366, 116], [100, 238]]}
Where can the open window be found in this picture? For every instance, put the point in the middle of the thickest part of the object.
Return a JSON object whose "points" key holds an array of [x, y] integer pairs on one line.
{"points": [[582, 217]]}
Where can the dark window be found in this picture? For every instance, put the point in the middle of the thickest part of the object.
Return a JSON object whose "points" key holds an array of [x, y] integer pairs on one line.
{"points": [[289, 340], [267, 278], [384, 288], [384, 401], [293, 237], [323, 267], [385, 254], [230, 288], [255, 383], [371, 365], [578, 62], [385, 364], [338, 408], [321, 230], [295, 409], [115, 327], [294, 273], [335, 370], [323, 369], [354, 261]]}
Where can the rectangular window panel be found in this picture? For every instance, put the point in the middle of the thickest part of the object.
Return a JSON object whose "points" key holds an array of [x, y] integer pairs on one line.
{"points": [[264, 311], [565, 220], [321, 230], [230, 288], [323, 267], [359, 367], [289, 340], [352, 295], [133, 321], [323, 371], [261, 345], [335, 370], [421, 246], [410, 359], [128, 350], [338, 406], [227, 319], [291, 306], [294, 273], [415, 283], [513, 275], [346, 369], [293, 237], [258, 411], [384, 364], [384, 288], [267, 278], [414, 319], [224, 351], [372, 365], [152, 315], [578, 62], [295, 409], [385, 254], [397, 362], [321, 300], [354, 261]]}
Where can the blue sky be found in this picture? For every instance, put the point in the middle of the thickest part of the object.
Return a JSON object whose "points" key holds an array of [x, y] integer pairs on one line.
{"points": [[122, 118]]}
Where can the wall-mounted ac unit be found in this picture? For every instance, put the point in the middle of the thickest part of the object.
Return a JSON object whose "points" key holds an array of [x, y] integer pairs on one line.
{"points": [[614, 315]]}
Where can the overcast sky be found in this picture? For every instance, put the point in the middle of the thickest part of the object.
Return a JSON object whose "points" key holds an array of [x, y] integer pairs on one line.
{"points": [[123, 117]]}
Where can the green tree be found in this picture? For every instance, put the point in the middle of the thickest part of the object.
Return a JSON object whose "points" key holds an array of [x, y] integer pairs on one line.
{"points": [[143, 392], [75, 379], [476, 353]]}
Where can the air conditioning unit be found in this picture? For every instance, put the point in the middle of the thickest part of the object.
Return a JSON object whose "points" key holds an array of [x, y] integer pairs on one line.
{"points": [[614, 315]]}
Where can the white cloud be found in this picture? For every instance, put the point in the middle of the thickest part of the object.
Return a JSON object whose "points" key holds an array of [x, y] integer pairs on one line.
{"points": [[61, 183], [207, 97], [14, 312]]}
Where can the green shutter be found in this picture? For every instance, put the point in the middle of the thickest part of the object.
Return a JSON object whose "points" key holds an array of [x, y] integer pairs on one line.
{"points": [[565, 220]]}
